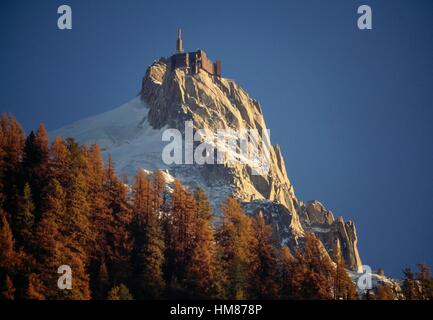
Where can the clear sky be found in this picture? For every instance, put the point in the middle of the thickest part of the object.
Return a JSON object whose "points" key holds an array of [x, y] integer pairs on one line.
{"points": [[352, 110]]}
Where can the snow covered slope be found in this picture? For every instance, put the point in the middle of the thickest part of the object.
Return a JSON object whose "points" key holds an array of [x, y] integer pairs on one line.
{"points": [[123, 132]]}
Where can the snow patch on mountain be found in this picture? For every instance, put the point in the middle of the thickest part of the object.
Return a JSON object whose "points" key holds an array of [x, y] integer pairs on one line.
{"points": [[123, 132]]}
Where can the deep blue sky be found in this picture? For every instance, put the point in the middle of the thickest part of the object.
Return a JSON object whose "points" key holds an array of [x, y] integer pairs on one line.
{"points": [[352, 110]]}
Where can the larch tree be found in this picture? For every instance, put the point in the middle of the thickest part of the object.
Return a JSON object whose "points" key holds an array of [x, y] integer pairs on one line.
{"points": [[101, 221], [13, 144], [426, 281], [9, 258], [344, 288], [35, 288], [12, 261], [76, 226], [59, 162], [119, 292], [148, 238], [159, 185], [180, 236], [263, 271], [119, 241], [285, 273], [50, 240], [25, 218], [76, 223], [35, 165], [316, 271], [410, 287], [201, 278], [81, 282], [236, 238], [57, 246]]}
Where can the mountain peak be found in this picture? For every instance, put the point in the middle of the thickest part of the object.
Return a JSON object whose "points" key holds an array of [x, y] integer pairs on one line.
{"points": [[170, 92], [172, 96]]}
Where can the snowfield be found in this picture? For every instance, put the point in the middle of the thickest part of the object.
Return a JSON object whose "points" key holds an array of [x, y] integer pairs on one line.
{"points": [[123, 132]]}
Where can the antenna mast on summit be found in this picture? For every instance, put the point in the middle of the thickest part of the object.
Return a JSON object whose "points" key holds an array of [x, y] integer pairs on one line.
{"points": [[179, 48]]}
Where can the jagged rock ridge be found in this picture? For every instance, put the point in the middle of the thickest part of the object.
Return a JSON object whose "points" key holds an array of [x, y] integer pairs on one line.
{"points": [[132, 134]]}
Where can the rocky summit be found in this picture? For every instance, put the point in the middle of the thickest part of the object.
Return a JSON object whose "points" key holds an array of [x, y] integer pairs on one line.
{"points": [[169, 97]]}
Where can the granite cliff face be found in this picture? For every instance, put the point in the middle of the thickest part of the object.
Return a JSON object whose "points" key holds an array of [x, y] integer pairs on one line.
{"points": [[174, 97], [218, 103], [133, 133], [316, 218]]}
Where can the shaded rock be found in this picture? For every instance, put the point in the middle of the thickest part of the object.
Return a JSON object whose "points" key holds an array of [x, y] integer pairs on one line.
{"points": [[316, 218]]}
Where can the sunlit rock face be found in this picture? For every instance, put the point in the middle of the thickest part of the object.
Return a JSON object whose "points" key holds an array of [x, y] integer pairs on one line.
{"points": [[316, 218], [212, 103], [132, 134]]}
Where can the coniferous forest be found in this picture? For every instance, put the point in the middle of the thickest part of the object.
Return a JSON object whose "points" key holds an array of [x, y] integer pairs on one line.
{"points": [[60, 204]]}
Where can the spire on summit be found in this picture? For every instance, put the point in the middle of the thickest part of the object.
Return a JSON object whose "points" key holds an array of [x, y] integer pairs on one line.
{"points": [[179, 48]]}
